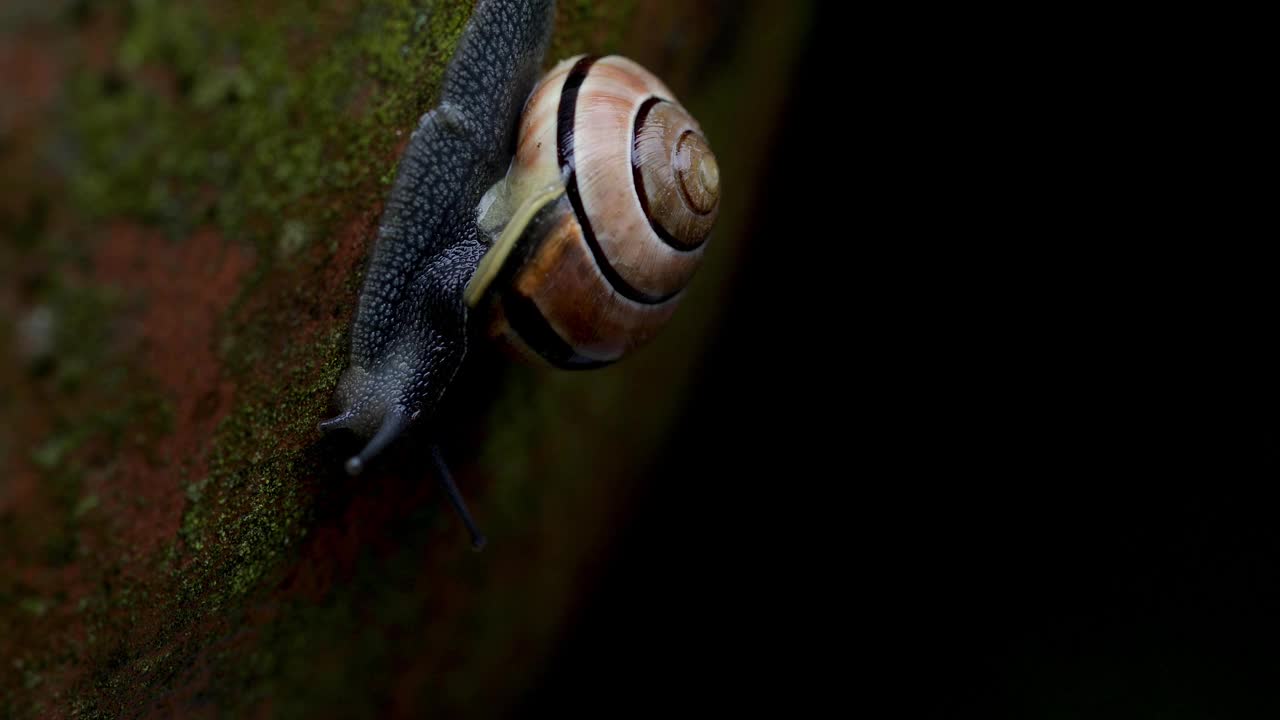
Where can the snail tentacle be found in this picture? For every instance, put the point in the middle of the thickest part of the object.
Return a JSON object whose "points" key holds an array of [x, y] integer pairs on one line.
{"points": [[445, 477]]}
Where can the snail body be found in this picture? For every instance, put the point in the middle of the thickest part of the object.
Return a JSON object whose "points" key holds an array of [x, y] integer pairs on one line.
{"points": [[410, 332], [567, 232]]}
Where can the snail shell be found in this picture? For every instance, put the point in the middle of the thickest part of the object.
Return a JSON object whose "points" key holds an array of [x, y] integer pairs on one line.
{"points": [[601, 220]]}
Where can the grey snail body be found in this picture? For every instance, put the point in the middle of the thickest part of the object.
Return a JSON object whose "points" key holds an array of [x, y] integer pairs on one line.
{"points": [[567, 232]]}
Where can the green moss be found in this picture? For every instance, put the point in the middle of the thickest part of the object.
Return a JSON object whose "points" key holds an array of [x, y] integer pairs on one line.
{"points": [[253, 120], [311, 104], [315, 117], [33, 605]]}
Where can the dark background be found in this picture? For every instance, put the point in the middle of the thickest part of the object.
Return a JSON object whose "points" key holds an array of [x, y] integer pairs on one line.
{"points": [[964, 441]]}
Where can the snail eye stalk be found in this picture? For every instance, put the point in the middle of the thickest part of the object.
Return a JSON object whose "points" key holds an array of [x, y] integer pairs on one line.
{"points": [[446, 481], [393, 423]]}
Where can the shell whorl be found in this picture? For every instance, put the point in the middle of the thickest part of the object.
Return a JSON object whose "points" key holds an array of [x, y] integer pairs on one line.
{"points": [[676, 175], [626, 181], [629, 191]]}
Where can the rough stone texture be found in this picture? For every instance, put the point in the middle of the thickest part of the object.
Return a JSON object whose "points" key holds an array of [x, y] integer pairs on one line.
{"points": [[188, 194]]}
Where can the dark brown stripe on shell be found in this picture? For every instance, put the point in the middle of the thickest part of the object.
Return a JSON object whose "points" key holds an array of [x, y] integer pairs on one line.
{"points": [[638, 183], [568, 105], [526, 320], [566, 115]]}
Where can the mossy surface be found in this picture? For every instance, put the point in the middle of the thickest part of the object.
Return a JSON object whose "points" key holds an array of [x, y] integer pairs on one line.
{"points": [[178, 266], [252, 119]]}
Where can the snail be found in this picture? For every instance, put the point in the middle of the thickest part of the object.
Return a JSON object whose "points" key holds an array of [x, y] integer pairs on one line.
{"points": [[561, 216]]}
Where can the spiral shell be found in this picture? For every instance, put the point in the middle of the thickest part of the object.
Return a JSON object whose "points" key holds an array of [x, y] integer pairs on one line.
{"points": [[602, 218]]}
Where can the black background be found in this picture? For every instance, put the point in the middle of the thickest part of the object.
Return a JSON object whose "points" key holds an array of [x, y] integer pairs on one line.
{"points": [[971, 437]]}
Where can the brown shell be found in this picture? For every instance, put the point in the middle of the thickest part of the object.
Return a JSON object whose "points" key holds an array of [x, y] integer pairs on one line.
{"points": [[599, 268]]}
